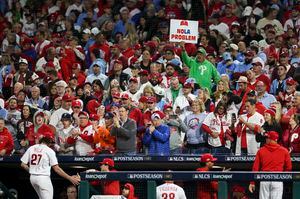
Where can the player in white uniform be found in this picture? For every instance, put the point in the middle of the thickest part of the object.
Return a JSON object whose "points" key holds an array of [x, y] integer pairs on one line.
{"points": [[38, 160], [169, 190]]}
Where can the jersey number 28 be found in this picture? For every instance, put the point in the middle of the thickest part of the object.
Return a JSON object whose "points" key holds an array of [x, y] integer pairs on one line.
{"points": [[35, 159], [168, 196]]}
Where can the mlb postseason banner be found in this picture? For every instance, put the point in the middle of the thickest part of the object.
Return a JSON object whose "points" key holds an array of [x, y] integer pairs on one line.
{"points": [[132, 159], [183, 30], [191, 176]]}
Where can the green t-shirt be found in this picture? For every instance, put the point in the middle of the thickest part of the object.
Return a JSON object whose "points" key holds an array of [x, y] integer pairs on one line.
{"points": [[203, 72]]}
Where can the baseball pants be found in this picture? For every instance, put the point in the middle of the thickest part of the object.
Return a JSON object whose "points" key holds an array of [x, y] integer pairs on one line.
{"points": [[271, 190], [42, 185]]}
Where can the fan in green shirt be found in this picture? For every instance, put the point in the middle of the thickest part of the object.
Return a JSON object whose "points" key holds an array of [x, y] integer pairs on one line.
{"points": [[202, 70]]}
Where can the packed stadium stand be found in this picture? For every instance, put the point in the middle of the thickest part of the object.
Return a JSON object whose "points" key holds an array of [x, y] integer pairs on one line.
{"points": [[110, 89]]}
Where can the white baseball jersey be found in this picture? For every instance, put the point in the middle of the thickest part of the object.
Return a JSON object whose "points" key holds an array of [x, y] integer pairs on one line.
{"points": [[252, 145], [40, 159], [170, 191], [82, 147], [214, 122]]}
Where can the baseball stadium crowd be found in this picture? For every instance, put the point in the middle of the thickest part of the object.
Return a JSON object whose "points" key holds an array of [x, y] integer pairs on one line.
{"points": [[101, 77]]}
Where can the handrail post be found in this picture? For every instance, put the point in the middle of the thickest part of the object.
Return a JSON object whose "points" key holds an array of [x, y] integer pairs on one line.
{"points": [[222, 190], [84, 190], [151, 189], [296, 190]]}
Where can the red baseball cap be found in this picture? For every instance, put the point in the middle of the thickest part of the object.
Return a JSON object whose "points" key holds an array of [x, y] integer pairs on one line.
{"points": [[108, 161], [150, 44], [133, 79], [166, 106], [83, 113], [137, 46], [187, 85], [271, 112], [143, 99], [207, 157], [124, 96], [144, 72], [291, 82], [133, 60], [157, 115], [117, 95], [273, 135], [76, 103], [67, 97], [26, 41], [94, 117], [118, 62], [151, 99], [41, 113]]}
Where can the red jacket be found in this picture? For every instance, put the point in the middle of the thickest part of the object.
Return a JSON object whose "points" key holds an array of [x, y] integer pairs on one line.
{"points": [[34, 137], [272, 157], [129, 52], [110, 187], [136, 114], [207, 190], [105, 49], [6, 141]]}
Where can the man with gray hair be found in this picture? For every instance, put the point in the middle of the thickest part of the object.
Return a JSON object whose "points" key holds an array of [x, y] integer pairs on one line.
{"points": [[36, 100]]}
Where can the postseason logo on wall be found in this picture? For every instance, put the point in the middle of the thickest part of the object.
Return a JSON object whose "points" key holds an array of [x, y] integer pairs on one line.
{"points": [[184, 30]]}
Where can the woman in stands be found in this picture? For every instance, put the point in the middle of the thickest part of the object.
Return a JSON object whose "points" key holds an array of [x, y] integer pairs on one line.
{"points": [[291, 136], [203, 95], [270, 125], [216, 125], [24, 124], [195, 137], [223, 86]]}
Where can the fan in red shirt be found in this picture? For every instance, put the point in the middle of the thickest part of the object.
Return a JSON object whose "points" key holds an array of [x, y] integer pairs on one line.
{"points": [[76, 72], [102, 45], [127, 51], [134, 112], [173, 11], [229, 17], [6, 140], [271, 157], [207, 190]]}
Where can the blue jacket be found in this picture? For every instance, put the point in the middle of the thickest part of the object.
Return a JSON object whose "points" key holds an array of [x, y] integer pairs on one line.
{"points": [[158, 141], [274, 86], [224, 69], [242, 68]]}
